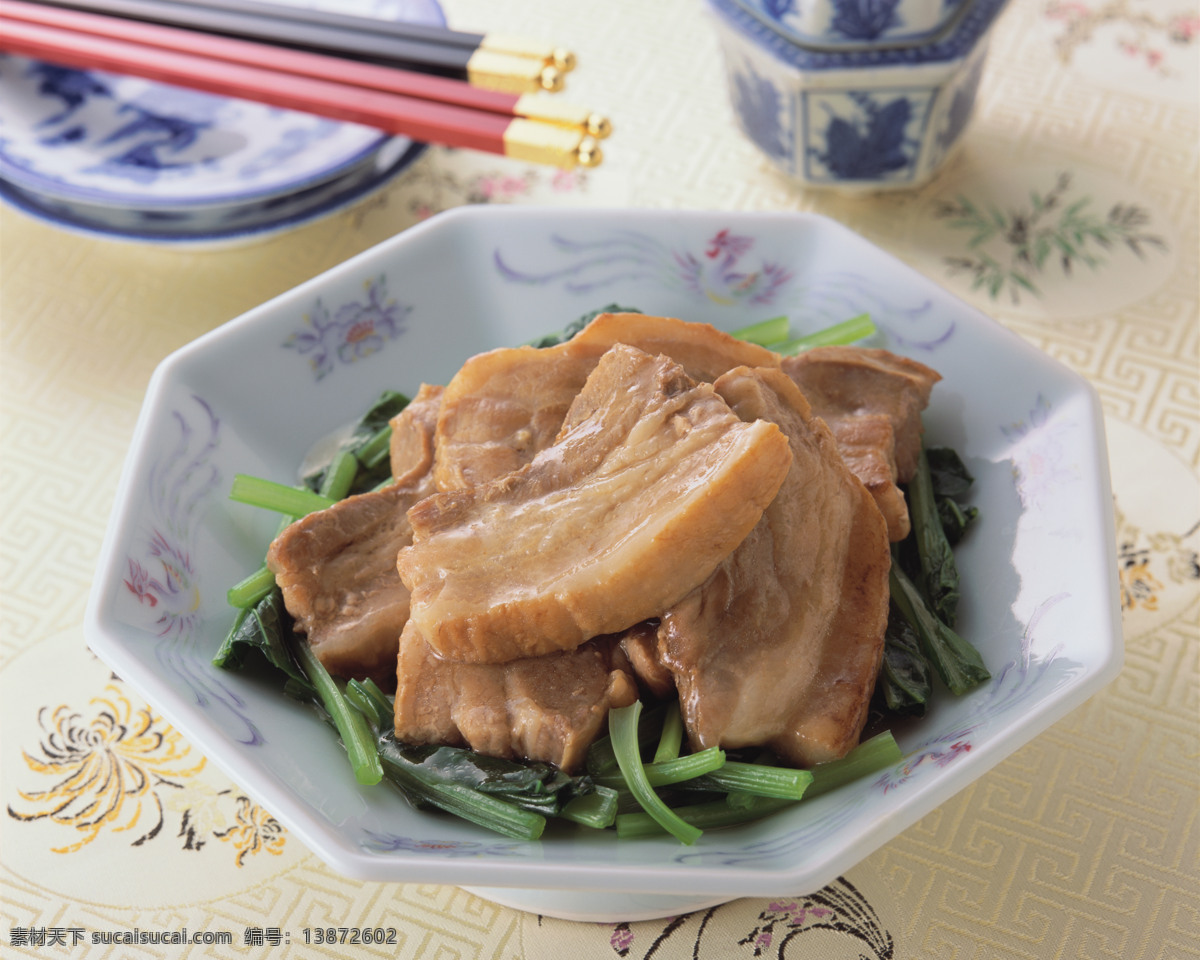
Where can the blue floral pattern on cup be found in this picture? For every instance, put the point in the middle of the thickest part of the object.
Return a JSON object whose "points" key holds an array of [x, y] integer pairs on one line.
{"points": [[857, 135]]}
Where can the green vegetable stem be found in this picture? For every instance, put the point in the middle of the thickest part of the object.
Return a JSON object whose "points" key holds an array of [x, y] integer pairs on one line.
{"points": [[622, 725], [939, 573], [957, 663]]}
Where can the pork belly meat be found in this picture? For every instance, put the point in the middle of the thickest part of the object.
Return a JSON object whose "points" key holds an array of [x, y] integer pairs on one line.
{"points": [[337, 571], [781, 645], [702, 350], [414, 428], [872, 401], [651, 482], [640, 644], [504, 406], [336, 568], [547, 708]]}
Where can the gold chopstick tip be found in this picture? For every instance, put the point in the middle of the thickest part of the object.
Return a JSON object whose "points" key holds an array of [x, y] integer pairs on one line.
{"points": [[552, 79], [539, 142], [559, 57], [589, 153], [510, 73], [538, 106], [563, 59], [599, 127]]}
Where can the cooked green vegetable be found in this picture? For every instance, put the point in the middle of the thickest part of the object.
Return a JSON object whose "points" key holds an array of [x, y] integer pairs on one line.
{"points": [[765, 332], [871, 756], [939, 573], [597, 809], [700, 816], [846, 332], [661, 773], [601, 755], [905, 679], [351, 725], [759, 779], [623, 728], [269, 495], [369, 443], [426, 785], [371, 702], [878, 753], [249, 590], [340, 474], [951, 483], [671, 737], [957, 663], [263, 631]]}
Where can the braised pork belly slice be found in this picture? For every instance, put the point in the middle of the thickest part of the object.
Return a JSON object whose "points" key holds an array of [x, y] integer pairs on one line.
{"points": [[547, 708], [780, 647], [872, 401], [411, 447], [504, 406], [640, 643], [651, 482], [336, 569], [701, 349]]}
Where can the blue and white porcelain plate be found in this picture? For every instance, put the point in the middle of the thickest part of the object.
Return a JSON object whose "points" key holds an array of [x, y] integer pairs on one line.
{"points": [[131, 157]]}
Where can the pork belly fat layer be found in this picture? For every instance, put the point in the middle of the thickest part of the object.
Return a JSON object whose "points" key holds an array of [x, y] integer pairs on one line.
{"points": [[337, 571], [506, 405], [651, 482], [547, 708], [782, 644], [872, 401], [502, 407]]}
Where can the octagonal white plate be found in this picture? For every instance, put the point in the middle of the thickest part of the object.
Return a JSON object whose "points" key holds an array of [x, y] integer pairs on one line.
{"points": [[1040, 597]]}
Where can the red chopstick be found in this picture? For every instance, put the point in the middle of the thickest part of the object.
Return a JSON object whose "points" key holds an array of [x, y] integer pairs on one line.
{"points": [[319, 66], [450, 124]]}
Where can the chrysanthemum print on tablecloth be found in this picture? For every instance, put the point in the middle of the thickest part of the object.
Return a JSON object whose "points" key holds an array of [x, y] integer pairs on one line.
{"points": [[94, 779], [1158, 529]]}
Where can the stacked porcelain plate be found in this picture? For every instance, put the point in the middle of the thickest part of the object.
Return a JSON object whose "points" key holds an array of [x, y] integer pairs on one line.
{"points": [[125, 157]]}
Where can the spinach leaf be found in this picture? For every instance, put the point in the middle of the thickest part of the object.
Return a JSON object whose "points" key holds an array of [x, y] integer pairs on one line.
{"points": [[368, 441], [939, 573], [947, 472], [905, 680], [956, 661], [535, 786], [263, 633], [951, 484]]}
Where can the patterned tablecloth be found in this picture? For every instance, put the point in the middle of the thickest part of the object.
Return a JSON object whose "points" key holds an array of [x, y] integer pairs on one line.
{"points": [[1082, 844]]}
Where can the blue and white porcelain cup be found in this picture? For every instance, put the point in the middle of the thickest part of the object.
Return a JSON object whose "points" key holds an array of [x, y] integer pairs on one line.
{"points": [[855, 95]]}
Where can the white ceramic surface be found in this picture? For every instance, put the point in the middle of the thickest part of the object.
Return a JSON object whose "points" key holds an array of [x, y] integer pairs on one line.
{"points": [[128, 157], [1040, 598], [873, 117]]}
